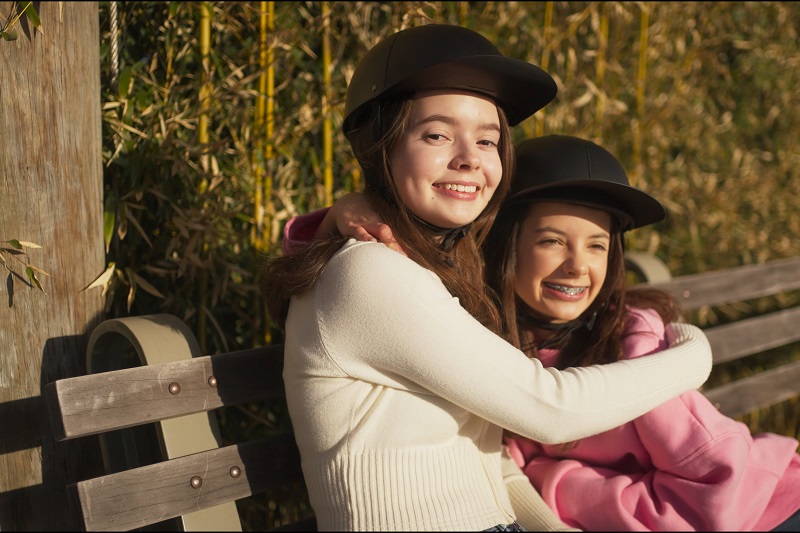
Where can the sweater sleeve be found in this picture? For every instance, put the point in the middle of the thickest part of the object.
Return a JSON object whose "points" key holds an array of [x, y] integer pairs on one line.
{"points": [[531, 510], [380, 314]]}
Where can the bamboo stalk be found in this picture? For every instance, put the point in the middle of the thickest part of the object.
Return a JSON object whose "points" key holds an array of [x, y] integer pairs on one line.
{"points": [[327, 128], [641, 77], [265, 121], [270, 124], [205, 48], [463, 11], [548, 28], [202, 139], [600, 69], [258, 171]]}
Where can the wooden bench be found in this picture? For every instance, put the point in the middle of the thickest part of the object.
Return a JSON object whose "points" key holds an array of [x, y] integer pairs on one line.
{"points": [[740, 293], [149, 395], [151, 402]]}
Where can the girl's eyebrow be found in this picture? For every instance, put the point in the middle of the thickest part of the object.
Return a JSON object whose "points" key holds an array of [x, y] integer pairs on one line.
{"points": [[551, 229], [452, 121]]}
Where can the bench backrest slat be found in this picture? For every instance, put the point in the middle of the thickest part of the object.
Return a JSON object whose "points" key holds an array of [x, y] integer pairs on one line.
{"points": [[735, 284], [96, 403], [758, 391], [754, 335], [151, 494]]}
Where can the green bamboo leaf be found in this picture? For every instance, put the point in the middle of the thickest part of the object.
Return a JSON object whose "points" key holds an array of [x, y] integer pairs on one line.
{"points": [[109, 219], [32, 276], [33, 16], [124, 83], [15, 243], [9, 35]]}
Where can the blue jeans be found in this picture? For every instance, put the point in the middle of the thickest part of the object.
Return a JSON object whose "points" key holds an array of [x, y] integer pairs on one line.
{"points": [[514, 526], [790, 524]]}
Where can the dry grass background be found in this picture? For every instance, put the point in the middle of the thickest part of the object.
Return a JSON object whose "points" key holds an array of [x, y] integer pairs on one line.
{"points": [[212, 140]]}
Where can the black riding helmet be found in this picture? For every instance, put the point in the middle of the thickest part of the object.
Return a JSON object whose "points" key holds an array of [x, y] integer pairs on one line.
{"points": [[440, 56], [572, 170]]}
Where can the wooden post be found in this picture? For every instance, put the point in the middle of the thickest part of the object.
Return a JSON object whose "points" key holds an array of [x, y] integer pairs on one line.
{"points": [[51, 194]]}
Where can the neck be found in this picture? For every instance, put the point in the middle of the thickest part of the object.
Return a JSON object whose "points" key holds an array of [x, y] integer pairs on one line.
{"points": [[447, 237], [546, 332]]}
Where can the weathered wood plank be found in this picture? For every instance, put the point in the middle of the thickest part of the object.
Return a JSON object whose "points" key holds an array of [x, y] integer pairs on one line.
{"points": [[151, 494], [51, 178], [756, 392], [96, 403], [754, 335], [735, 284]]}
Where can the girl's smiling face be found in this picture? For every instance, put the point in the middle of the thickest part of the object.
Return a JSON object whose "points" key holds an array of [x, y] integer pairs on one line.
{"points": [[446, 164], [562, 258]]}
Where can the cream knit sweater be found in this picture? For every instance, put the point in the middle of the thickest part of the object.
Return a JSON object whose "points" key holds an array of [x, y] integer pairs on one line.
{"points": [[397, 396]]}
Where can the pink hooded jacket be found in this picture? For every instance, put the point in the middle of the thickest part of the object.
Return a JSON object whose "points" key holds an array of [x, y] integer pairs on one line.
{"points": [[683, 466]]}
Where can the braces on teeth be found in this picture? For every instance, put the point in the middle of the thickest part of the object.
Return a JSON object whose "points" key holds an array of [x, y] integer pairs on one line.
{"points": [[572, 291]]}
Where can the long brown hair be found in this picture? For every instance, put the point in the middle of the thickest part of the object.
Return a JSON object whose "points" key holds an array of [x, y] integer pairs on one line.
{"points": [[600, 343], [460, 268]]}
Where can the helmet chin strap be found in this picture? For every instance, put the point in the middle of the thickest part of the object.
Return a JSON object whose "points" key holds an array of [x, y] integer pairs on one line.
{"points": [[451, 236], [562, 329]]}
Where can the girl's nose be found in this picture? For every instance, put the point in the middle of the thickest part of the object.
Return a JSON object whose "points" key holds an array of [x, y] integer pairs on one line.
{"points": [[575, 265], [467, 157]]}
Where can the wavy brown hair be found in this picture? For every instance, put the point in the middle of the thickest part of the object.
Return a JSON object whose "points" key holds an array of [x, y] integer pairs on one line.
{"points": [[460, 268], [583, 346]]}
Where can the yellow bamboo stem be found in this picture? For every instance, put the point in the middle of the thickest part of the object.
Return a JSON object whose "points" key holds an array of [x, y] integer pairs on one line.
{"points": [[463, 11], [270, 123], [202, 139], [202, 121], [256, 162], [600, 70], [548, 28], [327, 128], [267, 118], [641, 77]]}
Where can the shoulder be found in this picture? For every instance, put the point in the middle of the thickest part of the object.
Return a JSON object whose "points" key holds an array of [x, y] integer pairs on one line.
{"points": [[645, 333], [368, 273], [638, 320], [367, 261]]}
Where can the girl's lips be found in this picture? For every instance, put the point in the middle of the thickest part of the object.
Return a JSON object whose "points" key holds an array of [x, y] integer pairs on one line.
{"points": [[460, 187], [564, 292], [458, 191]]}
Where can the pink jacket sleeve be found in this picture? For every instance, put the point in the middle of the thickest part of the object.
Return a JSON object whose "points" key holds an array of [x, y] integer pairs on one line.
{"points": [[689, 468], [299, 230]]}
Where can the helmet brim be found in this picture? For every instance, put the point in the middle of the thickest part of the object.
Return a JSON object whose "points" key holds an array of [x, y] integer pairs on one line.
{"points": [[632, 207]]}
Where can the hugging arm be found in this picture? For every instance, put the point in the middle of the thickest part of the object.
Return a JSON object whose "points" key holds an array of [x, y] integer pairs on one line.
{"points": [[351, 216], [418, 331]]}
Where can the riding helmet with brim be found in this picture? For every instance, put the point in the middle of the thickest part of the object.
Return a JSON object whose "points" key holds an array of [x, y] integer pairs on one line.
{"points": [[441, 56], [572, 170]]}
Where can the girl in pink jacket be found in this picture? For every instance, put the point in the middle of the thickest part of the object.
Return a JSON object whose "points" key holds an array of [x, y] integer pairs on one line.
{"points": [[555, 254]]}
